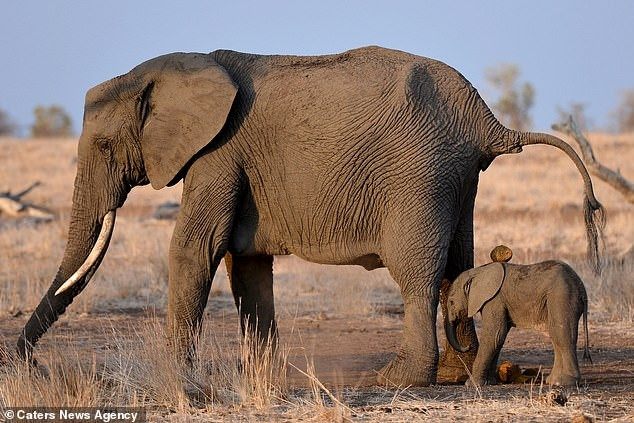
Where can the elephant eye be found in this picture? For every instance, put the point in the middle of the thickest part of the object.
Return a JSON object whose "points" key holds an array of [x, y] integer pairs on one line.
{"points": [[103, 145]]}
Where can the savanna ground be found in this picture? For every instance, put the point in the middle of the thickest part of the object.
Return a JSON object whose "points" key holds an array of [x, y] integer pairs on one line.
{"points": [[338, 325]]}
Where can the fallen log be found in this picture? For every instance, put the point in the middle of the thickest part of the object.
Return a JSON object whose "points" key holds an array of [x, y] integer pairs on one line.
{"points": [[12, 205]]}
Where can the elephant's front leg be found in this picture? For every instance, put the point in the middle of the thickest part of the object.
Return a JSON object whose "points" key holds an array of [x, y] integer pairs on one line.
{"points": [[252, 286], [199, 243], [492, 336], [190, 275]]}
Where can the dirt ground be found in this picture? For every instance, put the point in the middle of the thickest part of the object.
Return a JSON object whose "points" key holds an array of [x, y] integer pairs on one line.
{"points": [[347, 352]]}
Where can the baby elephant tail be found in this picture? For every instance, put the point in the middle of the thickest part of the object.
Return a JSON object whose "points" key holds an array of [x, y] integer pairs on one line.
{"points": [[586, 348]]}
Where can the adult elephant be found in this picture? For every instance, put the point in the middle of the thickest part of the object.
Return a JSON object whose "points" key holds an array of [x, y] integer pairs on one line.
{"points": [[368, 157]]}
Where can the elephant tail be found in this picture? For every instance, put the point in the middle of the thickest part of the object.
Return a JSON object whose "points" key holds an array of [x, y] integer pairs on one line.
{"points": [[586, 347], [594, 213]]}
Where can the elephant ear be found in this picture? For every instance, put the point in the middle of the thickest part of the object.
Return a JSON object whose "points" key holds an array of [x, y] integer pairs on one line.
{"points": [[485, 284], [185, 103]]}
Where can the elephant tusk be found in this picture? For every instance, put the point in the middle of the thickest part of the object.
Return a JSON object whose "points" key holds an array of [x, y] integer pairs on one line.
{"points": [[96, 252]]}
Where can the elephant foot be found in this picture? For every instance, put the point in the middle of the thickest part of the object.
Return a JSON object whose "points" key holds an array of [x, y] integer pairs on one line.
{"points": [[400, 372], [199, 394], [562, 380], [473, 382]]}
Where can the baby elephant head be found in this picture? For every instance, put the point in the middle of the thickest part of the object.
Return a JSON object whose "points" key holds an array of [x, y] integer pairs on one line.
{"points": [[468, 294]]}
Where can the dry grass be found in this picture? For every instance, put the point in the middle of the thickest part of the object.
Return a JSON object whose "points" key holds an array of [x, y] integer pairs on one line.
{"points": [[242, 378], [531, 202]]}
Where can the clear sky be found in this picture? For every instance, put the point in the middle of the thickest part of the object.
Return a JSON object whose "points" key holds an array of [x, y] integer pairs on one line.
{"points": [[53, 51]]}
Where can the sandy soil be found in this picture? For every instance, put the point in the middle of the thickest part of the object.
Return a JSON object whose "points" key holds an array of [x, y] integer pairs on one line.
{"points": [[348, 351]]}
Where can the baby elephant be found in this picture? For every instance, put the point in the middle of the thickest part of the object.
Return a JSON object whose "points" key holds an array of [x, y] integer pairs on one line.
{"points": [[548, 296]]}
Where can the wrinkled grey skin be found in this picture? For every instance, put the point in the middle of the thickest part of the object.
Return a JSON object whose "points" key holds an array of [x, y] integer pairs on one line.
{"points": [[370, 157], [548, 296]]}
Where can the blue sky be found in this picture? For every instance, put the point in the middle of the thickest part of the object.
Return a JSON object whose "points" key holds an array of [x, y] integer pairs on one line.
{"points": [[571, 51]]}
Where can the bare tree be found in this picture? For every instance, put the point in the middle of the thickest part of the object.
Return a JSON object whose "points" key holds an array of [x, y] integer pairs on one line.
{"points": [[624, 112], [578, 112], [611, 177], [7, 126], [51, 121], [515, 101]]}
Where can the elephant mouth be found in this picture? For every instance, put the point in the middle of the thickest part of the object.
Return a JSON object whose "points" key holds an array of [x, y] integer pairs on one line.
{"points": [[89, 266]]}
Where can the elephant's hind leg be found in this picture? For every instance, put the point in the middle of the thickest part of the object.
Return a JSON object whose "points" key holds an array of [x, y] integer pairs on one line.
{"points": [[416, 361], [563, 333], [252, 286], [453, 365], [418, 273]]}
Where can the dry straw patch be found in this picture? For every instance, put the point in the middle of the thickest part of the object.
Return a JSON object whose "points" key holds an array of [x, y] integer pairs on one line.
{"points": [[227, 380], [247, 375]]}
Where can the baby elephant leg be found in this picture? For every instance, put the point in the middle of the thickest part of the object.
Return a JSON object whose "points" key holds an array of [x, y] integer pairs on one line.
{"points": [[566, 367], [492, 337], [492, 371]]}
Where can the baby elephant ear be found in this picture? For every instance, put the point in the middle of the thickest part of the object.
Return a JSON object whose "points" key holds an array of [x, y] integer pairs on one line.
{"points": [[485, 284], [185, 105]]}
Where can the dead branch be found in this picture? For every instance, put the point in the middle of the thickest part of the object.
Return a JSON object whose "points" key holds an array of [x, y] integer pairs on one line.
{"points": [[12, 205], [611, 177], [22, 193]]}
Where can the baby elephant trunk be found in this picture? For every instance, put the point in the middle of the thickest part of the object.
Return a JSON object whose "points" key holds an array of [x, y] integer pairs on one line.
{"points": [[450, 330]]}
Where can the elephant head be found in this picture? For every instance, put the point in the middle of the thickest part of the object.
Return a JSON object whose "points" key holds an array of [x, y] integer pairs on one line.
{"points": [[468, 294], [140, 127]]}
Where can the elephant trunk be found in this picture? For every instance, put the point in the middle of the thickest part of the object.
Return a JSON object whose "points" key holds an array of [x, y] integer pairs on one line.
{"points": [[90, 265], [594, 214], [88, 238], [450, 331]]}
